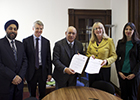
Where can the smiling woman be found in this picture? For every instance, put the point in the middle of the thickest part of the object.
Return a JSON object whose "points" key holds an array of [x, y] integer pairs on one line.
{"points": [[128, 62], [129, 32], [101, 47]]}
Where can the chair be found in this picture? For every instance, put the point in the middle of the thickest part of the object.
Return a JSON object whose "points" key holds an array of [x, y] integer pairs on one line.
{"points": [[138, 95], [83, 81], [105, 86], [31, 98], [78, 83]]}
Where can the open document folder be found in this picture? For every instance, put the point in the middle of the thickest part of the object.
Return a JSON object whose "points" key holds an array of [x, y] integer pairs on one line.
{"points": [[78, 63]]}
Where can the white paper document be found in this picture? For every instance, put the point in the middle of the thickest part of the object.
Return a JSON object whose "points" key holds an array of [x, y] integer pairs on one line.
{"points": [[78, 62], [93, 66]]}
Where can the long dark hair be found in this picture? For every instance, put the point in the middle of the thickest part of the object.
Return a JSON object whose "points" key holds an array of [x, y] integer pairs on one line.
{"points": [[135, 36]]}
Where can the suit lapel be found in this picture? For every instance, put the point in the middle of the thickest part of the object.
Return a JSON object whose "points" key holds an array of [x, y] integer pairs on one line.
{"points": [[94, 45], [102, 44], [8, 48], [76, 48], [66, 47], [18, 49], [32, 44], [42, 48]]}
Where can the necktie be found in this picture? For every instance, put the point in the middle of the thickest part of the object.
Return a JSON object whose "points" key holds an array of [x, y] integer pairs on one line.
{"points": [[36, 54], [14, 50], [71, 45]]}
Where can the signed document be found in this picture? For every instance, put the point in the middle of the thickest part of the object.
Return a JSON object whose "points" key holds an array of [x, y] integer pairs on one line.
{"points": [[93, 66], [78, 62]]}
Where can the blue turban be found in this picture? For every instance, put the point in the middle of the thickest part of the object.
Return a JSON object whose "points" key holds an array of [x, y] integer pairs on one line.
{"points": [[9, 23]]}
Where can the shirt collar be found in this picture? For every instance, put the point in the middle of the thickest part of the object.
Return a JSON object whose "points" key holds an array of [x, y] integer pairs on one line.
{"points": [[10, 39], [70, 42], [37, 37]]}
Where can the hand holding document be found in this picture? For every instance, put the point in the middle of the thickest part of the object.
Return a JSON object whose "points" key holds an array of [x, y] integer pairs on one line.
{"points": [[78, 63], [93, 66]]}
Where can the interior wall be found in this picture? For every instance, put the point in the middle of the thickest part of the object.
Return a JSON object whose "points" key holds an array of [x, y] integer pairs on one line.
{"points": [[54, 14], [119, 19]]}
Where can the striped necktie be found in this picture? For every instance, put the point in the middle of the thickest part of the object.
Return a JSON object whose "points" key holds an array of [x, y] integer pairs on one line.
{"points": [[14, 50], [71, 45]]}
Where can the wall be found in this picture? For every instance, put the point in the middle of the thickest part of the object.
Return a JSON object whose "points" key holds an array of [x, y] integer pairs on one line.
{"points": [[54, 14], [119, 19]]}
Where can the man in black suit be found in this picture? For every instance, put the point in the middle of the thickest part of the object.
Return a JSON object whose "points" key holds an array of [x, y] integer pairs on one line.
{"points": [[13, 64], [62, 54], [37, 49]]}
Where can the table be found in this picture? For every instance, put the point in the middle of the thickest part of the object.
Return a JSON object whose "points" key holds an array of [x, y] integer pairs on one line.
{"points": [[50, 89], [80, 93]]}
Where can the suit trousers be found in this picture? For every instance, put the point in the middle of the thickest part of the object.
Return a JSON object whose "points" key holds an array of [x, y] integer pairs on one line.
{"points": [[15, 94], [37, 80], [71, 82], [129, 88], [104, 75]]}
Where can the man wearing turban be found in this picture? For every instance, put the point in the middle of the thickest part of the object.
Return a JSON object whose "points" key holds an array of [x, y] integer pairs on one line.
{"points": [[13, 64]]}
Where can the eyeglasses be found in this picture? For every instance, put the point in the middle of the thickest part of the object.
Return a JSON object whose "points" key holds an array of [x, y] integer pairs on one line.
{"points": [[98, 28]]}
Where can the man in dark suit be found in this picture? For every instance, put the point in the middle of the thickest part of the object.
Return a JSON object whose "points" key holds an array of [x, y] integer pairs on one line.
{"points": [[37, 49], [62, 55], [13, 64]]}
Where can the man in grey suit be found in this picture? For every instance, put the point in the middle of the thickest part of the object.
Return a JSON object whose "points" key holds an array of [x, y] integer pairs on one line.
{"points": [[62, 54]]}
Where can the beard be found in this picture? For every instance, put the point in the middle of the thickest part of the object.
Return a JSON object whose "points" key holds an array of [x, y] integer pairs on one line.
{"points": [[11, 35]]}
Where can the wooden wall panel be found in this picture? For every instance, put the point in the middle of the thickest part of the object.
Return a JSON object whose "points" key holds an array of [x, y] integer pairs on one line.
{"points": [[134, 13]]}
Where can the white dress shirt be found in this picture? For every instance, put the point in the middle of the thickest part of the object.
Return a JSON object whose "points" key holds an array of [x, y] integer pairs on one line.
{"points": [[39, 45]]}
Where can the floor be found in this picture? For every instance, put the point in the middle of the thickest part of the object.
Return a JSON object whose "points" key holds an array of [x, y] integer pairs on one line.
{"points": [[26, 93]]}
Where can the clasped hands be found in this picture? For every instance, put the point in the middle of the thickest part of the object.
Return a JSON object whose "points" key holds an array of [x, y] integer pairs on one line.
{"points": [[129, 77], [17, 80], [103, 63]]}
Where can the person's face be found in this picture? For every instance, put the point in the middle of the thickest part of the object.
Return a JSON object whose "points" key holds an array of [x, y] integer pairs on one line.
{"points": [[71, 34], [11, 31], [37, 30], [129, 32], [98, 30]]}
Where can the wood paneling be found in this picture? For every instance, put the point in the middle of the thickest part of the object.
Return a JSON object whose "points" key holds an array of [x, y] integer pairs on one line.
{"points": [[83, 20], [134, 13]]}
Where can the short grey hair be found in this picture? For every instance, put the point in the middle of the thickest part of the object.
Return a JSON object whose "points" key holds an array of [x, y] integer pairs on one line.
{"points": [[39, 23]]}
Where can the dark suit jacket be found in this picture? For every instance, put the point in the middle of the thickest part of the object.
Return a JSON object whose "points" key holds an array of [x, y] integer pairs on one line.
{"points": [[9, 68], [45, 57], [134, 57], [61, 59]]}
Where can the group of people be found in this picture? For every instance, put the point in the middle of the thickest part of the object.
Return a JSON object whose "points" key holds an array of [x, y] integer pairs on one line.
{"points": [[30, 60]]}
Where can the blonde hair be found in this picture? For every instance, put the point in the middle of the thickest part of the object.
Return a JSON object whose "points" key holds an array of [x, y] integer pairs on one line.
{"points": [[93, 36]]}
